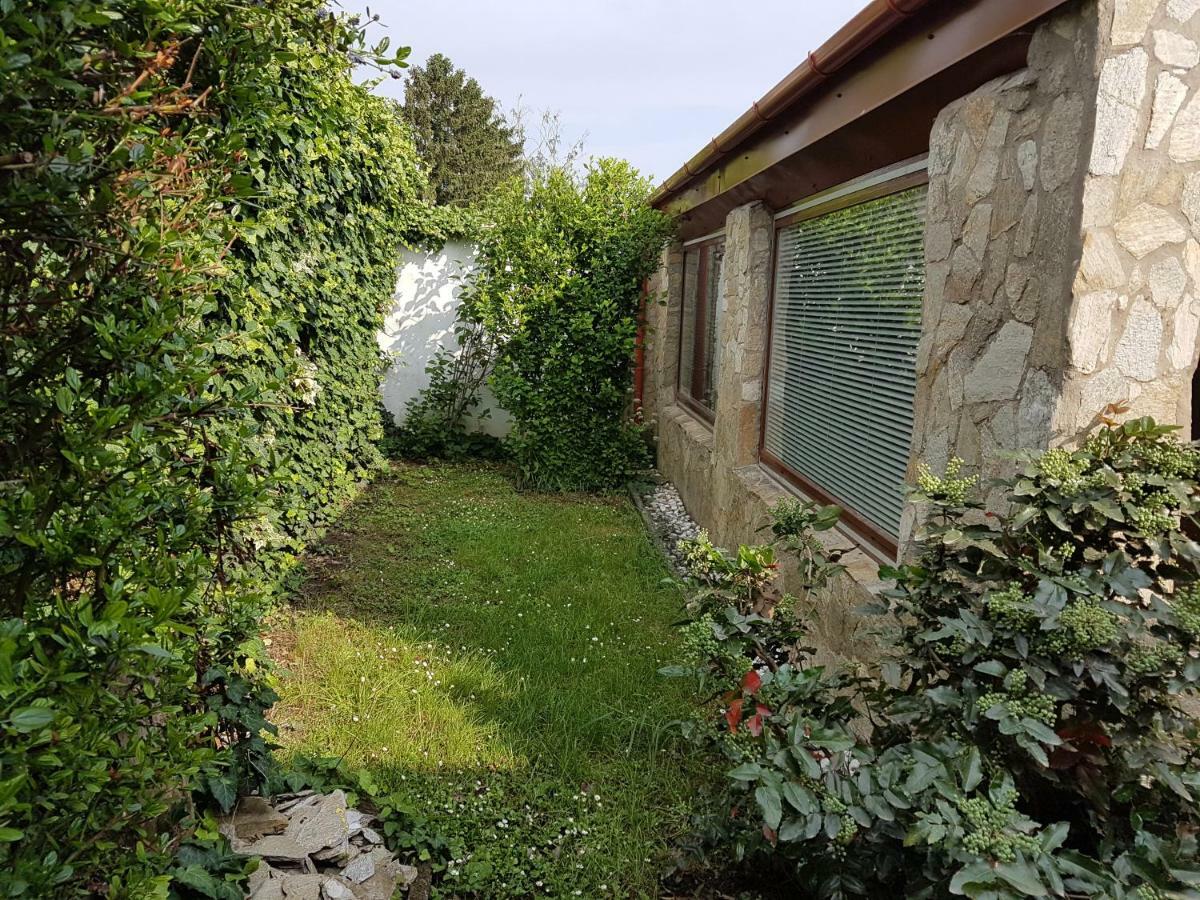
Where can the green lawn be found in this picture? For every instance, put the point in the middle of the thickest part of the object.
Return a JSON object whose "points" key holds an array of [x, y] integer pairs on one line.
{"points": [[493, 655]]}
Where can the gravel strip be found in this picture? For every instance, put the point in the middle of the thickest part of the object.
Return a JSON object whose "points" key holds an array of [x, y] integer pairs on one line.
{"points": [[669, 520]]}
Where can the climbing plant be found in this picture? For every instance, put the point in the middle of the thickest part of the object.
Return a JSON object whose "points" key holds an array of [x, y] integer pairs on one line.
{"points": [[198, 215], [1030, 731]]}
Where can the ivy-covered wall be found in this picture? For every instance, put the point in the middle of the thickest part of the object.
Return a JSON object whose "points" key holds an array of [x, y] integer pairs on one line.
{"points": [[311, 282], [199, 217]]}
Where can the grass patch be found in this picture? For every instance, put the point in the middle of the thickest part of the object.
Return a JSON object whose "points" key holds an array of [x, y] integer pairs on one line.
{"points": [[493, 656]]}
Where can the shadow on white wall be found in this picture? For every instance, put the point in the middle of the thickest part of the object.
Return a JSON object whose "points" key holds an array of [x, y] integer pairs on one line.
{"points": [[421, 320]]}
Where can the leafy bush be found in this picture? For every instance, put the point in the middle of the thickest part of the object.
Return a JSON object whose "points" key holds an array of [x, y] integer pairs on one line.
{"points": [[199, 218], [435, 420], [561, 268], [1029, 734]]}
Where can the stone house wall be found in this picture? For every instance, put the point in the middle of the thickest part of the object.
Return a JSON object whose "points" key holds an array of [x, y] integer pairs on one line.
{"points": [[1134, 313], [1062, 268], [1001, 250]]}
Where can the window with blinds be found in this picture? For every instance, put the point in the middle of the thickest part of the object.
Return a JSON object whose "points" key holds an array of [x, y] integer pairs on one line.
{"points": [[700, 325], [845, 326]]}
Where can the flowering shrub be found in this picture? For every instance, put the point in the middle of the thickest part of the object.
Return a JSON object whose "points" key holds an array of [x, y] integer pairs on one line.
{"points": [[1028, 734]]}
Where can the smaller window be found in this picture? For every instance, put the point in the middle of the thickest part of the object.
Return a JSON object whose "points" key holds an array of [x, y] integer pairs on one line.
{"points": [[701, 323]]}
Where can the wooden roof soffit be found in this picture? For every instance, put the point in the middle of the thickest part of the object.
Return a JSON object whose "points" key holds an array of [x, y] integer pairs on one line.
{"points": [[889, 48]]}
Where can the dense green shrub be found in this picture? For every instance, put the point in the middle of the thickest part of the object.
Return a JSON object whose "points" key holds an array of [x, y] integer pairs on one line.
{"points": [[561, 268], [198, 217], [1029, 734]]}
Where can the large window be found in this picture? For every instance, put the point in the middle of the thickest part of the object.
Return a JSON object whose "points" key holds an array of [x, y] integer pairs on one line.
{"points": [[849, 278], [700, 326]]}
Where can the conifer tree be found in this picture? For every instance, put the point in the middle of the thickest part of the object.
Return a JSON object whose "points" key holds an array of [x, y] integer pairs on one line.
{"points": [[458, 131]]}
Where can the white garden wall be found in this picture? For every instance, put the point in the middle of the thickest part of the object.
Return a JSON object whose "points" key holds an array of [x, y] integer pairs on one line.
{"points": [[422, 320]]}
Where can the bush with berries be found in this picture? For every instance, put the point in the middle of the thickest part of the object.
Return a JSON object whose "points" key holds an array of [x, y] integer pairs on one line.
{"points": [[1029, 730]]}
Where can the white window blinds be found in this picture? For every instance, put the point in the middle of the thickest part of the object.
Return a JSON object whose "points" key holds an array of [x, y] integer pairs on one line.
{"points": [[847, 317]]}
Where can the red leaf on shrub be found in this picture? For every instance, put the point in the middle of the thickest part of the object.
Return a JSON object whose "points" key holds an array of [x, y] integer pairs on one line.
{"points": [[733, 715], [751, 681], [754, 723], [769, 834], [1083, 741], [1086, 733]]}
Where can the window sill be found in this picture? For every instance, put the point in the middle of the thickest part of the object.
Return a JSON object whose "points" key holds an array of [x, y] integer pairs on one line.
{"points": [[697, 411], [697, 428]]}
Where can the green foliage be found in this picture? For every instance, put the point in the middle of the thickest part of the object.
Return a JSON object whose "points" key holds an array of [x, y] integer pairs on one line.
{"points": [[463, 139], [206, 867], [305, 303], [198, 219], [1029, 731], [561, 268]]}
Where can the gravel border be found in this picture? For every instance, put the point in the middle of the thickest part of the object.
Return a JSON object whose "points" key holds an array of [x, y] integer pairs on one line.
{"points": [[666, 519]]}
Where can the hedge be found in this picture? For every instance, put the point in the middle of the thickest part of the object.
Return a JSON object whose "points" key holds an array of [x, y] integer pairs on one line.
{"points": [[200, 215]]}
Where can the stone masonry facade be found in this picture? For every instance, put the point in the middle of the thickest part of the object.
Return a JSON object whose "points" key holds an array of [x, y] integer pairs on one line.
{"points": [[1062, 275]]}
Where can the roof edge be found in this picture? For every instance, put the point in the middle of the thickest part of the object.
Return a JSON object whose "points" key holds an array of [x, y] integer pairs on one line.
{"points": [[878, 19]]}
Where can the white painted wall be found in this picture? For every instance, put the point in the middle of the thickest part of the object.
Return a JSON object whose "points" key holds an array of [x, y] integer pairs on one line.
{"points": [[422, 320]]}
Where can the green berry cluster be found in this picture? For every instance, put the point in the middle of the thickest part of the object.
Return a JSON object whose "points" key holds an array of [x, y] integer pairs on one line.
{"points": [[949, 489], [1016, 681], [1153, 515], [1187, 609], [1151, 658], [1021, 705], [1012, 609], [740, 745], [1150, 892], [989, 834], [702, 648], [836, 852], [847, 832], [1019, 702], [699, 644], [1067, 469], [832, 804], [1082, 627], [1169, 458]]}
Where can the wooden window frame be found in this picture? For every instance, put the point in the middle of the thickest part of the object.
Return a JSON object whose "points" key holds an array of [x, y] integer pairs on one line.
{"points": [[686, 397], [883, 183]]}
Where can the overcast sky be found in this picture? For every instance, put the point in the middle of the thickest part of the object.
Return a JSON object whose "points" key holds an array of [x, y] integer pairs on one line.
{"points": [[648, 80]]}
